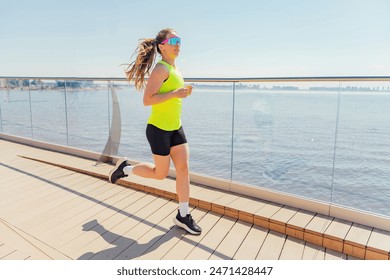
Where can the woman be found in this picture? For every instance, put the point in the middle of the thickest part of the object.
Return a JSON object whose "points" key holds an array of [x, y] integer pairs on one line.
{"points": [[164, 91]]}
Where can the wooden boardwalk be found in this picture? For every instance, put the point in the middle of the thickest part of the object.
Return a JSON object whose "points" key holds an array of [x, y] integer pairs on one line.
{"points": [[51, 212]]}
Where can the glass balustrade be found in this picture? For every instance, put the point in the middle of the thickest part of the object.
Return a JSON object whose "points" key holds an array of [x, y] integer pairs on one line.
{"points": [[284, 138], [48, 112], [207, 121], [362, 157], [327, 140], [15, 108]]}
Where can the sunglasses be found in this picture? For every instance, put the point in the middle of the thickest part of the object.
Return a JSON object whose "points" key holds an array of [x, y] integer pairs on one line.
{"points": [[172, 41]]}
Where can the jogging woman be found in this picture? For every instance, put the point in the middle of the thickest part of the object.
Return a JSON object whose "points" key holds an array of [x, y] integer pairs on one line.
{"points": [[164, 92]]}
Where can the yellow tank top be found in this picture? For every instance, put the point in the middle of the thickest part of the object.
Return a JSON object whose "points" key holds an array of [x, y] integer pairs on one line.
{"points": [[167, 115]]}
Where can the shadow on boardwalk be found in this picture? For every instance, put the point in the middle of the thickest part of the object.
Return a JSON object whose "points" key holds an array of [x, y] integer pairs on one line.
{"points": [[124, 248]]}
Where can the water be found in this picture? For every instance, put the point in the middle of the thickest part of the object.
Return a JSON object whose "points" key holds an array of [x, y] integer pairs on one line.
{"points": [[284, 141]]}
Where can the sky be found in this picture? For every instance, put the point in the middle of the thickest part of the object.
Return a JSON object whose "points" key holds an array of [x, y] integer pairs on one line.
{"points": [[231, 39]]}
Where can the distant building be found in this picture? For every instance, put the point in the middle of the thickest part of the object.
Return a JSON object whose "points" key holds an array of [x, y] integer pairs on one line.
{"points": [[74, 84]]}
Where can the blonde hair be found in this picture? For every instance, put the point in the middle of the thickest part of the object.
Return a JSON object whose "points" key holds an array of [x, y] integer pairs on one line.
{"points": [[145, 53]]}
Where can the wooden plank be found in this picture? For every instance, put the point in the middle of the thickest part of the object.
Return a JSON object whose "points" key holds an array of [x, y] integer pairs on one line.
{"points": [[263, 215], [188, 242], [28, 188], [375, 255], [231, 212], [10, 176], [41, 203], [316, 228], [378, 246], [71, 228], [150, 238], [96, 191], [252, 243], [356, 241], [5, 250], [227, 198], [16, 255], [14, 238], [297, 224], [293, 249], [313, 252], [206, 197], [119, 201], [247, 204], [16, 161], [129, 231], [335, 234], [359, 234], [272, 246], [211, 240], [349, 257], [334, 255], [232, 241], [338, 229], [62, 159], [218, 205], [46, 200], [87, 211], [157, 242], [319, 224], [32, 187], [63, 212], [278, 221], [116, 225], [171, 238], [32, 170], [166, 185], [57, 206]]}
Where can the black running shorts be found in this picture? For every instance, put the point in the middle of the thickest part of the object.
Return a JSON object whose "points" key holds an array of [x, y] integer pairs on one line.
{"points": [[161, 141]]}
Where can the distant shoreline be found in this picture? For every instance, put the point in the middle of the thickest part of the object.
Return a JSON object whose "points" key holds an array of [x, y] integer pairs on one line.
{"points": [[87, 85]]}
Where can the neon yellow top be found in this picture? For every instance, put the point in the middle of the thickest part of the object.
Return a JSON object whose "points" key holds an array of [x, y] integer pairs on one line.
{"points": [[167, 115]]}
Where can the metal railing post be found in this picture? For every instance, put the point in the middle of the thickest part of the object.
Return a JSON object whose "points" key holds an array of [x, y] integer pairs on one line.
{"points": [[232, 140], [335, 144], [31, 120], [108, 104], [66, 115], [1, 122]]}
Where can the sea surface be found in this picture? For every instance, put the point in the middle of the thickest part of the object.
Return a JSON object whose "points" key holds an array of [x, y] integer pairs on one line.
{"points": [[324, 145]]}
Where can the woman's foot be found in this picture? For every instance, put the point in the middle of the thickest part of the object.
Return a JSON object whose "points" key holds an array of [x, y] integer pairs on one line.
{"points": [[117, 172], [187, 223]]}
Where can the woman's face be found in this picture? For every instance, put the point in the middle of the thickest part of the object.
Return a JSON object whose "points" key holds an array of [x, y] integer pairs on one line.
{"points": [[168, 49]]}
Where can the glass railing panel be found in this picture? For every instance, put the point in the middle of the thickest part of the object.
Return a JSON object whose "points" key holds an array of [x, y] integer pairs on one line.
{"points": [[87, 111], [134, 116], [207, 121], [4, 97], [362, 165], [320, 140], [284, 137], [48, 111], [15, 107]]}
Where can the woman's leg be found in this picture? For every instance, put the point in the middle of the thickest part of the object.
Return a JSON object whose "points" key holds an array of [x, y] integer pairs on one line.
{"points": [[159, 141], [157, 171], [180, 158]]}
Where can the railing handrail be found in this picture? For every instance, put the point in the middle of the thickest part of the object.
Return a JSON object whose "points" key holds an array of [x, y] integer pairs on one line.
{"points": [[222, 80]]}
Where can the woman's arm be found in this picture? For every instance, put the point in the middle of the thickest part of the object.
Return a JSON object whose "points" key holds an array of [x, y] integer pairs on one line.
{"points": [[159, 74]]}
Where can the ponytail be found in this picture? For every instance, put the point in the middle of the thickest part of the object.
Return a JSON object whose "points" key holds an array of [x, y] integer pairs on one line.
{"points": [[145, 56], [143, 62]]}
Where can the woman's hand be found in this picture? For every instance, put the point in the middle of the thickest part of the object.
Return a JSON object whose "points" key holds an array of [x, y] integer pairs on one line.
{"points": [[183, 92]]}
